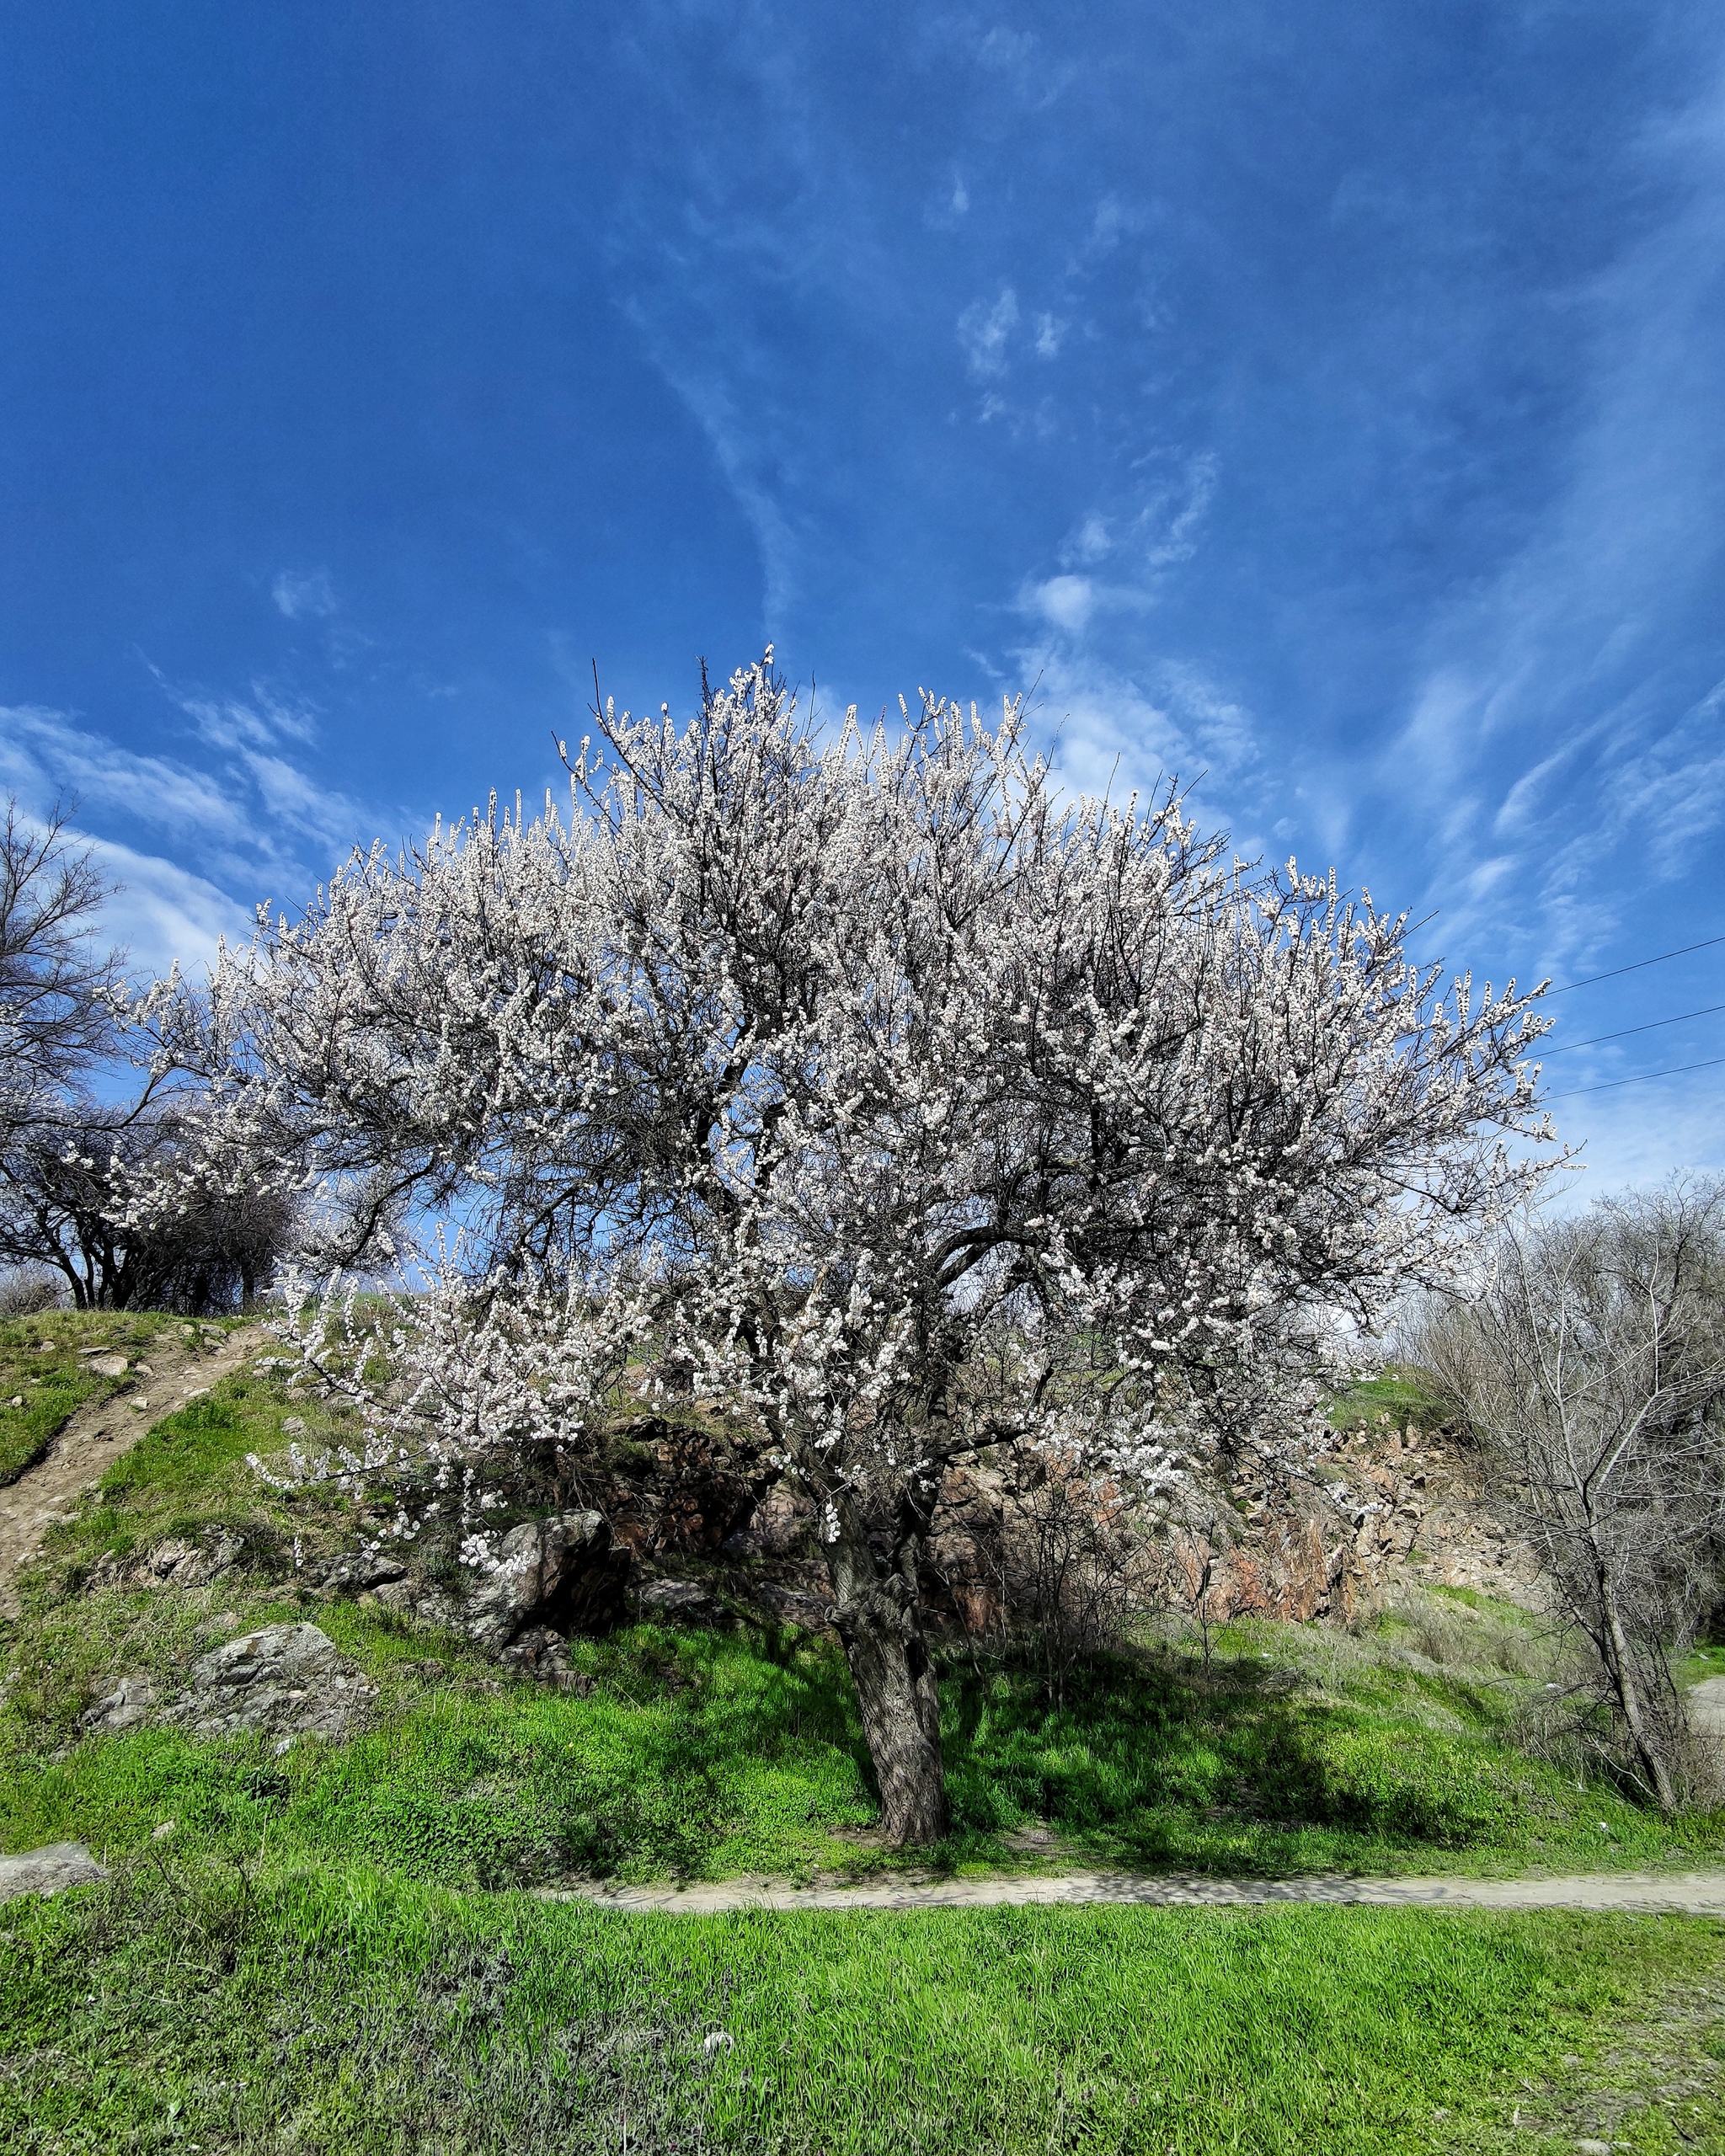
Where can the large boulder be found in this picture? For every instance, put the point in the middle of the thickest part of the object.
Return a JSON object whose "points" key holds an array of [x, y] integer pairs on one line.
{"points": [[283, 1681], [560, 1573]]}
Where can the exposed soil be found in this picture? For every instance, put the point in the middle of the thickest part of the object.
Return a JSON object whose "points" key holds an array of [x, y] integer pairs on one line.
{"points": [[1684, 1893], [97, 1433]]}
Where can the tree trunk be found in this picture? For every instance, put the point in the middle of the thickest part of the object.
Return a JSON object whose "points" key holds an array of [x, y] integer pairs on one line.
{"points": [[890, 1666], [1621, 1662]]}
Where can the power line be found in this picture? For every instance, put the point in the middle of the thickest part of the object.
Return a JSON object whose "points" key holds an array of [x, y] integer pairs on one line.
{"points": [[1612, 1084], [1705, 944], [1652, 1026]]}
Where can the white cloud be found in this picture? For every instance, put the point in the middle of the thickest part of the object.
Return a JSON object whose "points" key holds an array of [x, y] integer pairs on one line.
{"points": [[1050, 335], [163, 913], [1552, 719], [1067, 602], [984, 329], [303, 594], [1090, 542], [50, 754]]}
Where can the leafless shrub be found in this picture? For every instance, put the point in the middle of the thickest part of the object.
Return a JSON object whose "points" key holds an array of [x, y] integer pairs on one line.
{"points": [[1076, 1564], [1591, 1367], [27, 1290]]}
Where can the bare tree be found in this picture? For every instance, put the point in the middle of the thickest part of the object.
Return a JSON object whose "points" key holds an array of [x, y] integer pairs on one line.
{"points": [[1591, 1365], [56, 1018], [150, 1198]]}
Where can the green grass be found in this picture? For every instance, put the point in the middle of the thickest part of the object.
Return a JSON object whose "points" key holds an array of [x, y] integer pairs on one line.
{"points": [[43, 1366], [710, 1753], [1400, 1394], [706, 1755], [336, 2011], [330, 1950]]}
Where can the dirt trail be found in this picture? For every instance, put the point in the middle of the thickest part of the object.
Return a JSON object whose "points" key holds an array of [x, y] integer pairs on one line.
{"points": [[1687, 1893], [100, 1431]]}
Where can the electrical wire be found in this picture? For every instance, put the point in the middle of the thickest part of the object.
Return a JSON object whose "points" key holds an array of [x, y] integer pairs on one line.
{"points": [[1705, 944], [1640, 1079], [1652, 1026]]}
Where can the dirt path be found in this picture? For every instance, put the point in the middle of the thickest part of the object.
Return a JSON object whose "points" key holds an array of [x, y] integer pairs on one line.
{"points": [[94, 1435], [1688, 1893]]}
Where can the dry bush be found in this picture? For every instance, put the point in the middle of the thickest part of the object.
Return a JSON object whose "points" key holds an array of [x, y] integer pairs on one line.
{"points": [[28, 1290], [1078, 1568]]}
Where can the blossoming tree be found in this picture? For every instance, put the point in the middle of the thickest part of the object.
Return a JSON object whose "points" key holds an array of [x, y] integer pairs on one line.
{"points": [[882, 1093]]}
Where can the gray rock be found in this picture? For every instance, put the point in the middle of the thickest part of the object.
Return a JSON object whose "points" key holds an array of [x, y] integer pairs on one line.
{"points": [[543, 1655], [674, 1598], [284, 1680], [181, 1562], [422, 1600], [126, 1702], [560, 1572], [108, 1366], [48, 1871], [369, 1570]]}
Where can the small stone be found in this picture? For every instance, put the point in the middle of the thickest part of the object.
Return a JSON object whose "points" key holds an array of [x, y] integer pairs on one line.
{"points": [[16, 1400], [48, 1871], [1593, 2148], [161, 1832], [125, 1704], [108, 1366], [674, 1598], [144, 1369]]}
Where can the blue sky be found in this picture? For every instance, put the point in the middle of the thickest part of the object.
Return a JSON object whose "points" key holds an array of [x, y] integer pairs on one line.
{"points": [[1327, 404]]}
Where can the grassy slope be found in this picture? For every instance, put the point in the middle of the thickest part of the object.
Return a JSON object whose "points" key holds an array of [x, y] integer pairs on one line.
{"points": [[705, 1753], [43, 1367], [293, 1967]]}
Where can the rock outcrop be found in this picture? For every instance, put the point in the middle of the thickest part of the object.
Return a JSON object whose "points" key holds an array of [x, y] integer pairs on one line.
{"points": [[183, 1560], [283, 1681], [560, 1573]]}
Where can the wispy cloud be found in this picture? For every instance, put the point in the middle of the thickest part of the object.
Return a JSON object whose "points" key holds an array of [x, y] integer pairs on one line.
{"points": [[162, 914], [986, 331], [255, 821], [1554, 718], [304, 594]]}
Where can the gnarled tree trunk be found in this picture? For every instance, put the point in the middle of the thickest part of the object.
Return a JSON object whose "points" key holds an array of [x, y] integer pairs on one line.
{"points": [[881, 1630]]}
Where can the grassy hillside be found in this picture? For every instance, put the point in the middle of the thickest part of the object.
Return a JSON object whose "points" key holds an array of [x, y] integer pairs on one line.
{"points": [[702, 1753], [46, 1373], [332, 1950]]}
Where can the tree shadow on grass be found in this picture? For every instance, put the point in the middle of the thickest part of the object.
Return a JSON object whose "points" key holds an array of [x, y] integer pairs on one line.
{"points": [[1152, 1761]]}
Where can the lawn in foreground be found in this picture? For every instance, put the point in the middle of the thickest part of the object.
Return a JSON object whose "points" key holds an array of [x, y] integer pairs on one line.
{"points": [[341, 2011]]}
